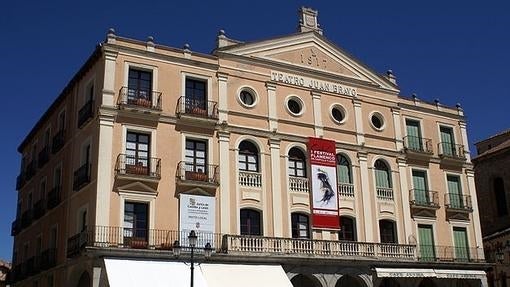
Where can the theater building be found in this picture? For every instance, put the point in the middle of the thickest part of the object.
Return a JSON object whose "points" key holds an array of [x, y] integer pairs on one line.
{"points": [[292, 162]]}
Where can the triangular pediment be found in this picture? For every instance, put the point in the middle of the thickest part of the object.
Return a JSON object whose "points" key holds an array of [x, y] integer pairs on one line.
{"points": [[137, 187], [310, 51]]}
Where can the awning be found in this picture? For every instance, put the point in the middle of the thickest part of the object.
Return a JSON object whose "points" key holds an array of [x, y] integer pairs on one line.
{"points": [[460, 274], [127, 273], [404, 272], [235, 275]]}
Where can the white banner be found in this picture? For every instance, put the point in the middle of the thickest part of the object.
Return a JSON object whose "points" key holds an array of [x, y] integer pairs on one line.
{"points": [[197, 213]]}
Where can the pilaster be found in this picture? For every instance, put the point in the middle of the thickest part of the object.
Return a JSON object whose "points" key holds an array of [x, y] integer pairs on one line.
{"points": [[317, 114], [470, 175], [104, 170], [360, 135], [398, 129], [224, 143], [366, 197], [404, 187], [109, 78], [274, 147], [222, 97], [463, 132], [271, 101]]}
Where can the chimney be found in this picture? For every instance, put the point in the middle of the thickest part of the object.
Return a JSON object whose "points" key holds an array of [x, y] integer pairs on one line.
{"points": [[308, 20]]}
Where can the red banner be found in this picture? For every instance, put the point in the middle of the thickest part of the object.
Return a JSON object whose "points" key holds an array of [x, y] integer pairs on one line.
{"points": [[324, 194]]}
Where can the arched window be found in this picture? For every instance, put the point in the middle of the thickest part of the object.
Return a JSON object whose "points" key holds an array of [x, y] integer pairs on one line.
{"points": [[499, 192], [349, 281], [382, 174], [248, 157], [251, 223], [343, 169], [300, 225], [297, 162], [347, 229], [301, 280], [387, 231]]}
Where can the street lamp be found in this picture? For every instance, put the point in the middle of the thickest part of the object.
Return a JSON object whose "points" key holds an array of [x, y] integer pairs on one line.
{"points": [[192, 242]]}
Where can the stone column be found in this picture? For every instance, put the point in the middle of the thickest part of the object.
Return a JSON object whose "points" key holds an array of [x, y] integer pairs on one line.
{"points": [[274, 146], [109, 78], [470, 175], [463, 132], [360, 135], [404, 187], [317, 114], [366, 197], [271, 102], [225, 215], [398, 129], [104, 170], [222, 97]]}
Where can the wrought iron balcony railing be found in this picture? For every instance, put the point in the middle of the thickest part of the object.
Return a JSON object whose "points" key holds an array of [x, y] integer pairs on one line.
{"points": [[82, 176], [346, 189], [299, 184], [138, 166], [43, 156], [458, 201], [451, 150], [425, 198], [418, 144], [450, 253], [131, 97], [54, 197], [208, 173], [85, 113], [197, 108], [58, 141], [250, 179]]}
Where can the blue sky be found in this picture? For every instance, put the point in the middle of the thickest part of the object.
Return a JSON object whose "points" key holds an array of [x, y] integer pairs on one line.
{"points": [[455, 52]]}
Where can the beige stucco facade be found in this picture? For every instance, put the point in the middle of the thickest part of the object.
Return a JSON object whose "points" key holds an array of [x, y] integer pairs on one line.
{"points": [[274, 72]]}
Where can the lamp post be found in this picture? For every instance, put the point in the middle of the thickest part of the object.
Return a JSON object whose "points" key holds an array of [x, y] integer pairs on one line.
{"points": [[192, 242]]}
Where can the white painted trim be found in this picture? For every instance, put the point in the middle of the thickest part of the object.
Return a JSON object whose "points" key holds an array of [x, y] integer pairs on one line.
{"points": [[207, 79], [429, 222], [381, 118], [255, 140], [342, 110], [144, 67], [143, 130], [140, 198], [299, 101], [252, 91], [208, 139]]}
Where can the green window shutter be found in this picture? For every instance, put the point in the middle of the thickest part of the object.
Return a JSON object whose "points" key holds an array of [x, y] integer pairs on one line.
{"points": [[413, 135], [382, 178], [343, 174], [426, 237], [420, 187], [447, 140], [460, 243], [454, 191]]}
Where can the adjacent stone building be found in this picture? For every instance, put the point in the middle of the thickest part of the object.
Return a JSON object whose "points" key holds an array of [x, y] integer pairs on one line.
{"points": [[294, 163]]}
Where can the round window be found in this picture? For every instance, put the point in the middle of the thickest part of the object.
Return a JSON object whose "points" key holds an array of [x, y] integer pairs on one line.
{"points": [[247, 98], [377, 121], [294, 106], [338, 114]]}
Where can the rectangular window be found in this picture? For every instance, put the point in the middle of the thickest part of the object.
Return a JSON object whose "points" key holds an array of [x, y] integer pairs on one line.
{"points": [[139, 86], [38, 246], [83, 220], [138, 153], [196, 156], [300, 225], [461, 244], [426, 240], [250, 222], [136, 222], [57, 177], [455, 191], [420, 188], [387, 231], [53, 237], [347, 229], [414, 140], [447, 141], [62, 120], [47, 137], [196, 96]]}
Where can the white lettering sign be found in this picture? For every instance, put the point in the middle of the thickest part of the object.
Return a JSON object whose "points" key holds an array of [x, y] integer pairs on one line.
{"points": [[313, 84]]}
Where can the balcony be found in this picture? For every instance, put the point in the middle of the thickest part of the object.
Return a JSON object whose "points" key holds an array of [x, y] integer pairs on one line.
{"points": [[144, 169], [431, 253], [29, 266], [20, 181], [423, 202], [197, 112], [26, 218], [139, 100], [48, 258], [452, 154], [81, 176], [30, 170], [418, 148], [58, 141], [346, 190], [86, 113], [54, 197], [205, 176], [250, 179], [39, 209], [458, 206], [44, 156], [15, 227], [299, 184], [384, 193]]}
